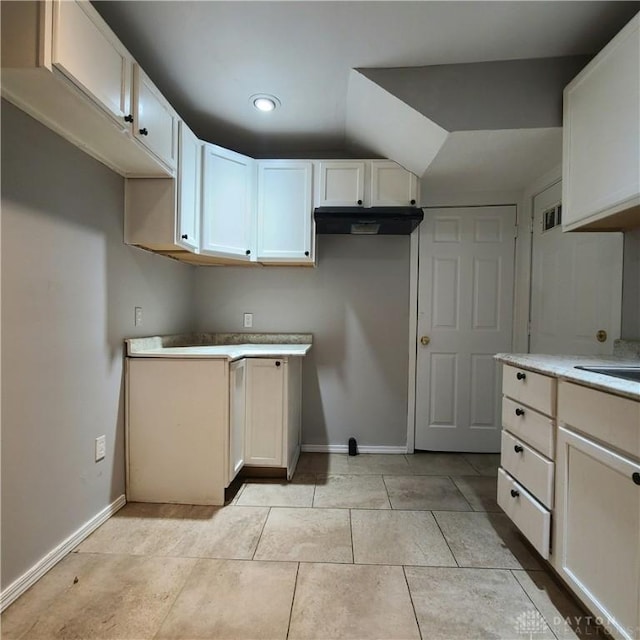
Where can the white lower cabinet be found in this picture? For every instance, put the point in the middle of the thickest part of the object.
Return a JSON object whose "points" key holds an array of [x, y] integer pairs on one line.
{"points": [[176, 425], [237, 417], [597, 516], [273, 412]]}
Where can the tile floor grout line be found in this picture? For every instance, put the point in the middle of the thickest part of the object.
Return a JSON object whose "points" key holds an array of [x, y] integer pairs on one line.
{"points": [[453, 482], [353, 550], [413, 606], [386, 488], [315, 486], [173, 604], [433, 515], [513, 575], [264, 524], [293, 599]]}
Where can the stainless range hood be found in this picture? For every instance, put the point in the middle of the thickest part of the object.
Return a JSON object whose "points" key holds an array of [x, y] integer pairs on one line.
{"points": [[397, 221]]}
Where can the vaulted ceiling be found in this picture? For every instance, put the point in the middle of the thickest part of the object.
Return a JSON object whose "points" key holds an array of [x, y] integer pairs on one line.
{"points": [[210, 57]]}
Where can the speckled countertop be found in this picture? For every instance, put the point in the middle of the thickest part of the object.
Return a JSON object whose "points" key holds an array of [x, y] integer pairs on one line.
{"points": [[563, 367], [232, 346]]}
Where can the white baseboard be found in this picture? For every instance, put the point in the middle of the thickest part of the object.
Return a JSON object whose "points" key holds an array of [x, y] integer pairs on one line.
{"points": [[343, 448], [26, 580]]}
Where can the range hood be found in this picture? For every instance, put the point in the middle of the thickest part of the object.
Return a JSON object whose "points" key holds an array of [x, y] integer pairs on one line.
{"points": [[397, 221]]}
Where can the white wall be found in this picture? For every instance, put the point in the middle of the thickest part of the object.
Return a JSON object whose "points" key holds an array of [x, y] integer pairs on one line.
{"points": [[69, 287], [356, 304]]}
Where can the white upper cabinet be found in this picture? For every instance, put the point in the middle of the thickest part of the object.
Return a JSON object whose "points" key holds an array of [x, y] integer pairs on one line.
{"points": [[285, 229], [392, 185], [340, 184], [89, 54], [189, 186], [62, 64], [601, 138], [228, 213], [155, 123]]}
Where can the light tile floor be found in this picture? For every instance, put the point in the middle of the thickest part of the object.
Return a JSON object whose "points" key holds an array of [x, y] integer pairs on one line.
{"points": [[386, 547]]}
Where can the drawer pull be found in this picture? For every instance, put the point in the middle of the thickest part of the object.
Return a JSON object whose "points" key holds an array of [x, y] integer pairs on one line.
{"points": [[636, 477], [521, 376], [519, 412], [514, 493], [518, 448]]}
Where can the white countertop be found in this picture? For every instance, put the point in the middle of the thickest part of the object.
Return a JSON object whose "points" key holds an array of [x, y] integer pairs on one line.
{"points": [[563, 367], [229, 351]]}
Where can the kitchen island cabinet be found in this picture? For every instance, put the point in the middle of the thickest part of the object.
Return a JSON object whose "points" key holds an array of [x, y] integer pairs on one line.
{"points": [[586, 486]]}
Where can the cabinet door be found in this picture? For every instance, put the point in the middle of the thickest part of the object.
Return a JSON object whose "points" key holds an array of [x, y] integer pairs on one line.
{"points": [[265, 412], [155, 123], [285, 211], [189, 173], [341, 184], [228, 211], [237, 418], [598, 529], [87, 52], [392, 185], [601, 133]]}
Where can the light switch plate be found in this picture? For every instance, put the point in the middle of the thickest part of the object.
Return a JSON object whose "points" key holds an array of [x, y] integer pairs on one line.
{"points": [[101, 448], [248, 320], [138, 316]]}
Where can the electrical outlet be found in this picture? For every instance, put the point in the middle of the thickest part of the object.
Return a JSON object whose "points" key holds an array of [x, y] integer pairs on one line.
{"points": [[101, 448], [138, 316], [248, 320]]}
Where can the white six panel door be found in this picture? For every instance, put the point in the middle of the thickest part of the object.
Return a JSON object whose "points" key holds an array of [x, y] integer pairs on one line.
{"points": [[576, 285], [465, 308]]}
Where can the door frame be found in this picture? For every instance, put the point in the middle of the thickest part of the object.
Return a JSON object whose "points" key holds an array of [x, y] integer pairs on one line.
{"points": [[523, 201]]}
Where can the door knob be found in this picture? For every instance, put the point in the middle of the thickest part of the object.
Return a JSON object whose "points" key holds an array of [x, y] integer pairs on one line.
{"points": [[601, 336], [425, 340]]}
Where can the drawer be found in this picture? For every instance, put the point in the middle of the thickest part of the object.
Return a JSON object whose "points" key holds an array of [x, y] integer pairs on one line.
{"points": [[533, 520], [534, 428], [532, 389], [607, 417], [528, 467]]}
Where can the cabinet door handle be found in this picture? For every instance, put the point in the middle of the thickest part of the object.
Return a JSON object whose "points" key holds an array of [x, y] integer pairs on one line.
{"points": [[144, 132], [277, 363], [359, 201], [514, 493], [185, 236], [636, 477], [518, 448], [248, 252], [413, 202], [519, 412], [128, 118], [306, 253], [520, 375]]}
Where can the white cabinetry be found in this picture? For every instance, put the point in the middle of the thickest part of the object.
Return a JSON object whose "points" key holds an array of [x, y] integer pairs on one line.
{"points": [[597, 533], [392, 185], [189, 178], [228, 213], [284, 211], [273, 412], [64, 66], [164, 214], [177, 420], [601, 138], [525, 481], [155, 123], [237, 417], [92, 57], [340, 183]]}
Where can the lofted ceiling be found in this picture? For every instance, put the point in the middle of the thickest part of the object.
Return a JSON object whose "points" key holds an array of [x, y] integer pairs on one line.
{"points": [[209, 57]]}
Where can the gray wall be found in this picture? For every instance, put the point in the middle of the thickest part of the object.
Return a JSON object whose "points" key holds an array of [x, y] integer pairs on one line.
{"points": [[356, 303], [69, 287], [631, 286]]}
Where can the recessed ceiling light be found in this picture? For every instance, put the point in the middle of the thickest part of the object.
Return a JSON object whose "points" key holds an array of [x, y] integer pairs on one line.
{"points": [[265, 102]]}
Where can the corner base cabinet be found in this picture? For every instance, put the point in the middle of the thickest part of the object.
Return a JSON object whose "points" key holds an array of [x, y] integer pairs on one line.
{"points": [[177, 420]]}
